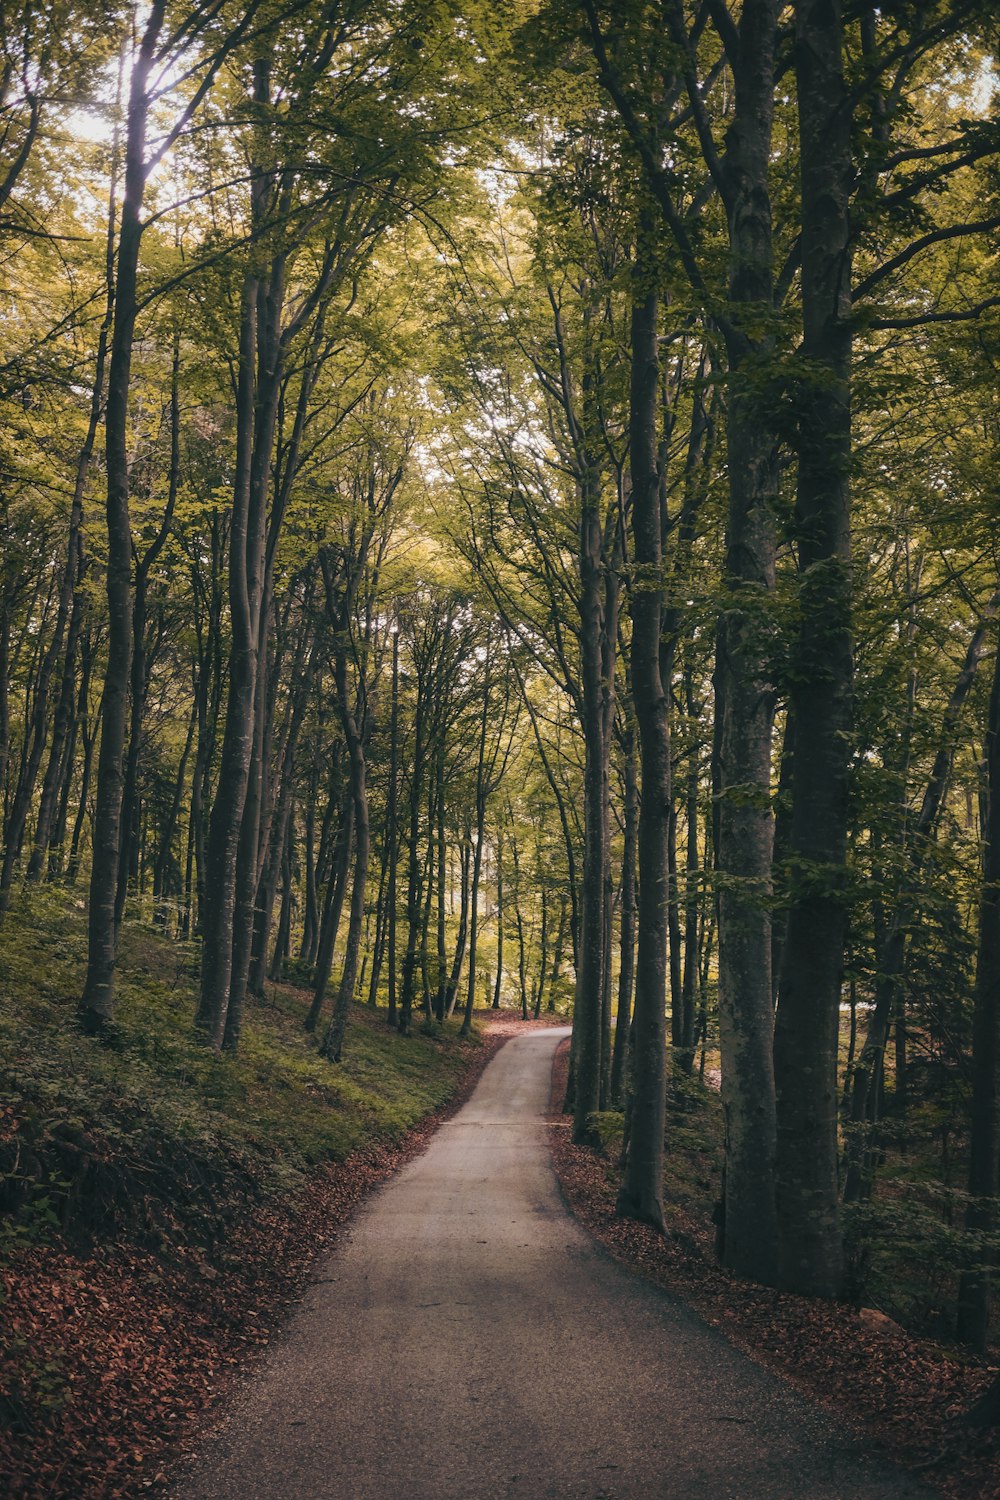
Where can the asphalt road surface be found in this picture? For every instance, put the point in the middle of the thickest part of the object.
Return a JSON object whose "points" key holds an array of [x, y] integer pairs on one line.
{"points": [[469, 1341]]}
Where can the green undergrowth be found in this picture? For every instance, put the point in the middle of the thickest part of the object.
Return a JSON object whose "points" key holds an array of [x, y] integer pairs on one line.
{"points": [[694, 1147], [146, 1134]]}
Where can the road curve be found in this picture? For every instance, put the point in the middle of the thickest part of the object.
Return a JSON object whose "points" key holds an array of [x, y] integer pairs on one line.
{"points": [[468, 1341]]}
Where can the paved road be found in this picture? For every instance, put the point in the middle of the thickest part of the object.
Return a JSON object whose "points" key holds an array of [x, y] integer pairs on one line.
{"points": [[468, 1341]]}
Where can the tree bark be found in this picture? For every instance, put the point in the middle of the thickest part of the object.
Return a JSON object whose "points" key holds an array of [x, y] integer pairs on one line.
{"points": [[587, 1010], [743, 687], [641, 1193], [333, 1042], [97, 1001], [626, 971], [984, 1154], [332, 909]]}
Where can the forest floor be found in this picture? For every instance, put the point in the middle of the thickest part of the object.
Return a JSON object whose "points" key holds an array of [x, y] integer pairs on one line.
{"points": [[909, 1394], [160, 1209]]}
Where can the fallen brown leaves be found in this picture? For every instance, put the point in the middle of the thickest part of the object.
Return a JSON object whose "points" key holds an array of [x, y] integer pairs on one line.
{"points": [[910, 1396], [109, 1362]]}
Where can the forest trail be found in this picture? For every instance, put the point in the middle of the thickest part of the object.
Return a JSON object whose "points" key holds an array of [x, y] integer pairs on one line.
{"points": [[468, 1341]]}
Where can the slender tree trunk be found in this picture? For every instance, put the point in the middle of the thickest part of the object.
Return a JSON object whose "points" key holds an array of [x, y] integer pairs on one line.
{"points": [[641, 1193], [674, 940], [477, 870], [587, 1010], [626, 972], [75, 571], [333, 1042], [282, 941], [97, 1001], [557, 954], [522, 975], [743, 688], [543, 956], [463, 924], [219, 895], [984, 1154], [413, 874], [4, 684], [332, 909], [498, 983]]}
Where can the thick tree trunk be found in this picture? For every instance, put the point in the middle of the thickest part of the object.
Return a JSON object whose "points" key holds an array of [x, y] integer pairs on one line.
{"points": [[641, 1193], [441, 964], [477, 870], [75, 571], [743, 687], [283, 938], [219, 894], [413, 873], [247, 852], [689, 981], [808, 1019]]}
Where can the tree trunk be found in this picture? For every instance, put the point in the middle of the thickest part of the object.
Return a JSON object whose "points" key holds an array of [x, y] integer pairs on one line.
{"points": [[333, 1042], [463, 925], [689, 982], [587, 1010], [641, 1193], [332, 909], [498, 984], [413, 873], [626, 972], [984, 1155], [97, 1001], [808, 1019]]}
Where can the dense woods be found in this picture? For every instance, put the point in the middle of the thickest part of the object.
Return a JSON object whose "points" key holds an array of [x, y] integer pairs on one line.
{"points": [[499, 506]]}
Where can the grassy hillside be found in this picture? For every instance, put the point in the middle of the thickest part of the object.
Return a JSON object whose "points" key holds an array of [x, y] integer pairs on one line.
{"points": [[149, 1135]]}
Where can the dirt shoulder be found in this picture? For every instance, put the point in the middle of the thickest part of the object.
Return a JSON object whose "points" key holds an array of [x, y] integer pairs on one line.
{"points": [[907, 1394]]}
